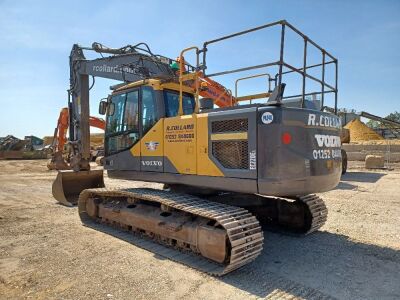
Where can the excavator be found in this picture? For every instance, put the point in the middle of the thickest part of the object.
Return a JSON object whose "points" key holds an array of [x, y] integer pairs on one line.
{"points": [[229, 166], [57, 161]]}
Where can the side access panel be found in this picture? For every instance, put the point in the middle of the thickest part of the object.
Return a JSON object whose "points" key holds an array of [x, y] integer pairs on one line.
{"points": [[180, 145], [233, 142]]}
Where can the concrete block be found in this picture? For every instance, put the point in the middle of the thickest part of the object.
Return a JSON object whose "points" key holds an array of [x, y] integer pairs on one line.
{"points": [[374, 161], [356, 156]]}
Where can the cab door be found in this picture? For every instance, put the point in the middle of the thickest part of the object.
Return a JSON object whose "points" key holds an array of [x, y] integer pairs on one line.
{"points": [[180, 135], [151, 143]]}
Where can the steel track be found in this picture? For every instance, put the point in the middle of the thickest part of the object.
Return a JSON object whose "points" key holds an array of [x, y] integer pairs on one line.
{"points": [[245, 236]]}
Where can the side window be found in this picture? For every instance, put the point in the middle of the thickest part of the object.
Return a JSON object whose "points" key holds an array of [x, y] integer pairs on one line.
{"points": [[122, 129], [149, 116], [114, 122], [171, 99], [131, 120]]}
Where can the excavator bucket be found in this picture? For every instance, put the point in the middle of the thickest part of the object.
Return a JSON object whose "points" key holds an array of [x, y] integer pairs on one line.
{"points": [[69, 184]]}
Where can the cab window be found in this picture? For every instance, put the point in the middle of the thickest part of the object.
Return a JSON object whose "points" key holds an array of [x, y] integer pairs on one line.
{"points": [[171, 99], [122, 130], [114, 122], [149, 116]]}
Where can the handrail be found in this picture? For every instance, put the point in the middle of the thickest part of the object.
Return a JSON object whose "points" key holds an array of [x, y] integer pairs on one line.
{"points": [[250, 77], [191, 76], [285, 68]]}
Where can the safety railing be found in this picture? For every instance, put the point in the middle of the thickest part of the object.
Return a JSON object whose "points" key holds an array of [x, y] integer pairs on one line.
{"points": [[255, 96], [186, 76], [283, 67]]}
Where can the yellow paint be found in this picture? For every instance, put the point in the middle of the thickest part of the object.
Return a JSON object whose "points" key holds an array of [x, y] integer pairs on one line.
{"points": [[229, 136], [135, 150], [175, 86], [156, 85], [252, 97], [180, 143], [133, 84], [152, 144], [205, 166]]}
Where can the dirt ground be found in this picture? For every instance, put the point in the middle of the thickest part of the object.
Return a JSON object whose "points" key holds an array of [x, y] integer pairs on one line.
{"points": [[45, 252]]}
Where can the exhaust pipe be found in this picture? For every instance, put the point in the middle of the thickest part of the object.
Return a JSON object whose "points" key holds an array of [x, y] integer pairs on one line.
{"points": [[69, 184]]}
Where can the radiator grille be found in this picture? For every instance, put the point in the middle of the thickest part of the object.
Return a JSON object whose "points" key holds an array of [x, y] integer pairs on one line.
{"points": [[235, 125], [231, 154]]}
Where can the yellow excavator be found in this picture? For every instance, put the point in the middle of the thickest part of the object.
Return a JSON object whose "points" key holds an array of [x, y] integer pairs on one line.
{"points": [[229, 165]]}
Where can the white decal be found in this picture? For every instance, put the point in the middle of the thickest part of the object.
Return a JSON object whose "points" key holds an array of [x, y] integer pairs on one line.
{"points": [[311, 120], [149, 163], [329, 141], [327, 154], [152, 146], [253, 160], [324, 121], [267, 117]]}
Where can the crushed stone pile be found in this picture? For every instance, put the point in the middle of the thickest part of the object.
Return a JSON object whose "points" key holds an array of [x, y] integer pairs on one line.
{"points": [[361, 132]]}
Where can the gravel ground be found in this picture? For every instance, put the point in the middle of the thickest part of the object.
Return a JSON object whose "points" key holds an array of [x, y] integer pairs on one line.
{"points": [[45, 252]]}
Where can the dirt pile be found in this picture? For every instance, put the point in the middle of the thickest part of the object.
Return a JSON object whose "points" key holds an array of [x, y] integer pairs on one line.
{"points": [[96, 140], [47, 140], [361, 132]]}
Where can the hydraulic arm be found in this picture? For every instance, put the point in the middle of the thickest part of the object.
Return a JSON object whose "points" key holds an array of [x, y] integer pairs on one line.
{"points": [[127, 64], [57, 161]]}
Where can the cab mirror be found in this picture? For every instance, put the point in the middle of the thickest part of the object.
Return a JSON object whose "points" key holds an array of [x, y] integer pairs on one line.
{"points": [[103, 107]]}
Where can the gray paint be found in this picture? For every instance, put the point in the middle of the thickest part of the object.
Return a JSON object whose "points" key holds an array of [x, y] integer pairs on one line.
{"points": [[291, 169], [122, 161], [245, 113], [152, 163], [219, 183], [168, 166]]}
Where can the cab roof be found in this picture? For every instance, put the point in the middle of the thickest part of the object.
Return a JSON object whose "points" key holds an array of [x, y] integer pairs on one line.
{"points": [[156, 84]]}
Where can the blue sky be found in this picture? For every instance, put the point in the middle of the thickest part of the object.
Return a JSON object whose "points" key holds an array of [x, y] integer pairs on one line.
{"points": [[36, 38]]}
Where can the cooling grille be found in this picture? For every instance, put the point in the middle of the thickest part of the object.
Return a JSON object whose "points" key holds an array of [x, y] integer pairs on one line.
{"points": [[231, 154], [235, 125]]}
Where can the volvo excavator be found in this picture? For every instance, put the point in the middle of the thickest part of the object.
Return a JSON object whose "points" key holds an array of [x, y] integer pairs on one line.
{"points": [[57, 161], [229, 166]]}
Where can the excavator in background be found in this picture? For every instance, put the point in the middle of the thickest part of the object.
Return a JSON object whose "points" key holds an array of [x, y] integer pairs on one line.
{"points": [[228, 168], [57, 161]]}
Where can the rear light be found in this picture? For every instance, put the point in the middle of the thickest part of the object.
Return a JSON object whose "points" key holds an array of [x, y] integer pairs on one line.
{"points": [[286, 138]]}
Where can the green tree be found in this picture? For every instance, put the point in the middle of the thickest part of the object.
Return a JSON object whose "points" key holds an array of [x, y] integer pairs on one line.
{"points": [[394, 116], [373, 124], [376, 124]]}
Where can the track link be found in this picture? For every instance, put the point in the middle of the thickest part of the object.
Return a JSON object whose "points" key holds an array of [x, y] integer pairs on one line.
{"points": [[317, 210], [299, 217], [244, 233]]}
